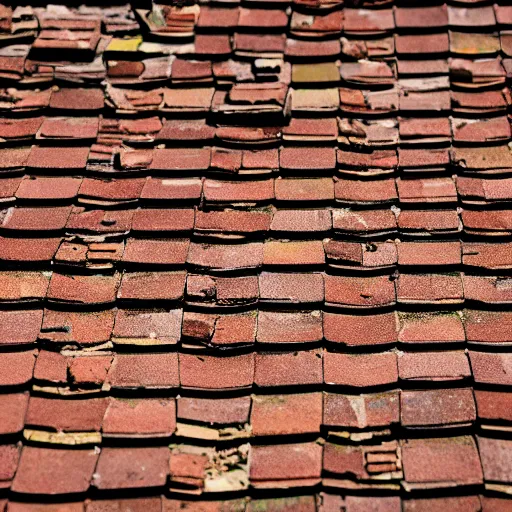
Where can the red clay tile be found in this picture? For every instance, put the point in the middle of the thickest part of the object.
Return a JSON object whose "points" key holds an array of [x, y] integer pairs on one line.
{"points": [[16, 368], [218, 17], [493, 290], [315, 189], [301, 221], [473, 17], [360, 370], [437, 408], [68, 128], [120, 505], [442, 462], [147, 327], [425, 43], [152, 286], [487, 256], [291, 504], [99, 221], [50, 471], [489, 368], [19, 327], [219, 257], [496, 455], [421, 17], [37, 188], [9, 457], [77, 99], [429, 289], [220, 411], [68, 415], [284, 253], [194, 130], [12, 412], [20, 129], [152, 417], [292, 462], [455, 504], [363, 222], [216, 373], [51, 367], [289, 327], [429, 254], [23, 286], [365, 192], [89, 371], [156, 252], [130, 468], [151, 371], [45, 158], [175, 189], [232, 223], [433, 366], [428, 190], [180, 159], [234, 192], [164, 220], [291, 288], [228, 291], [299, 368], [307, 159], [46, 507], [80, 289], [84, 328], [363, 256], [359, 292], [114, 191], [368, 20], [360, 330], [293, 414], [36, 219], [493, 406], [437, 327], [426, 221]]}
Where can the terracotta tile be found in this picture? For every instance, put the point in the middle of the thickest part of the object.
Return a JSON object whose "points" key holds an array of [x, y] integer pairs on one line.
{"points": [[489, 368], [148, 220], [51, 367], [262, 18], [455, 503], [45, 158], [481, 158], [429, 289], [421, 17], [302, 221], [363, 256], [495, 456], [24, 286], [172, 505], [233, 192], [360, 330], [147, 327], [493, 290], [493, 406], [190, 131], [433, 366], [78, 289], [225, 223], [292, 504], [441, 462], [19, 129], [38, 188], [363, 222], [176, 189], [150, 286], [222, 291], [488, 256], [9, 456], [216, 373], [68, 415], [365, 192], [36, 219], [291, 253], [112, 191], [291, 288], [481, 130], [298, 49], [120, 505], [66, 128], [361, 411], [151, 417], [156, 251], [289, 327], [50, 471], [380, 503], [423, 158], [430, 190], [192, 159], [220, 411], [368, 20], [16, 368], [307, 159], [437, 408], [18, 327], [429, 254], [291, 462], [83, 328], [360, 370], [494, 504], [14, 158], [294, 414], [299, 368], [218, 17], [316, 189], [473, 17], [130, 468], [77, 99], [12, 416], [226, 258], [359, 292], [425, 43], [425, 221], [46, 507], [437, 327], [151, 371], [310, 130]]}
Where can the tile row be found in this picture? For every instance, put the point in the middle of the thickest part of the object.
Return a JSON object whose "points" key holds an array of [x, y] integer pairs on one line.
{"points": [[77, 373], [322, 502], [46, 419], [410, 464]]}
